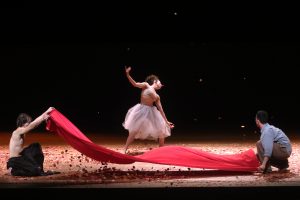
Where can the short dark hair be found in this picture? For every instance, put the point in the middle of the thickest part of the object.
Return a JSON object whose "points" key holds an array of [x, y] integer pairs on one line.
{"points": [[151, 78], [262, 116], [22, 119]]}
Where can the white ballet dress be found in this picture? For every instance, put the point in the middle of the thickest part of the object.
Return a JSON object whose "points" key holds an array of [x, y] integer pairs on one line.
{"points": [[147, 122]]}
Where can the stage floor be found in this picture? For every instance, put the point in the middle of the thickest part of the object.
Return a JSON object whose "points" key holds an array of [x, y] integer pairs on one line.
{"points": [[79, 171]]}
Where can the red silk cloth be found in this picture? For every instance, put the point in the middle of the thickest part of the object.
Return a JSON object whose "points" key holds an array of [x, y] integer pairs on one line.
{"points": [[168, 155]]}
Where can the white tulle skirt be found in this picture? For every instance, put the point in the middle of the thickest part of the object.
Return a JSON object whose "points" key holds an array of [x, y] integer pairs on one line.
{"points": [[146, 122]]}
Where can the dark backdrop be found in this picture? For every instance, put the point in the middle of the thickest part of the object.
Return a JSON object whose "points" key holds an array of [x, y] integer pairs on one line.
{"points": [[218, 67]]}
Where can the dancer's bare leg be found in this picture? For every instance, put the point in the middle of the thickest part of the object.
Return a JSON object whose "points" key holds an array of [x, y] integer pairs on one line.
{"points": [[129, 140], [161, 141]]}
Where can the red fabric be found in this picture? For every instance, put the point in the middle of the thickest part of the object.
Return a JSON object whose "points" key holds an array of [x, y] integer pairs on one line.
{"points": [[169, 155]]}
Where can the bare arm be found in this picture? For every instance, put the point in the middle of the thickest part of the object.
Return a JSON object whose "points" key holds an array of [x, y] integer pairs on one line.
{"points": [[159, 107], [37, 121], [133, 82]]}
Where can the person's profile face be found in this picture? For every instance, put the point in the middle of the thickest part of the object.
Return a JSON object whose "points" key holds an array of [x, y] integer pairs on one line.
{"points": [[158, 84], [256, 122]]}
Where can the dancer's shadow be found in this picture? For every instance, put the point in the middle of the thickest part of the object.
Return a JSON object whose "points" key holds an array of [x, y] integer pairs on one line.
{"points": [[135, 153]]}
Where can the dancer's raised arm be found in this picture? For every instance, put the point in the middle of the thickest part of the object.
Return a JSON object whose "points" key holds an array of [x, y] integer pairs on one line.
{"points": [[133, 82]]}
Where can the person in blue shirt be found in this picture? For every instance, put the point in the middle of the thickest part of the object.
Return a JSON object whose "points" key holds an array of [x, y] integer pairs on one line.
{"points": [[274, 147]]}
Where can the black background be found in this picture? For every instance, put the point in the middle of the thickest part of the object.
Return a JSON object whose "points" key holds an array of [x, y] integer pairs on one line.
{"points": [[72, 57]]}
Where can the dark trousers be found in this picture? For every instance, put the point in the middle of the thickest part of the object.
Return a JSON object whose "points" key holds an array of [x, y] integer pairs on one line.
{"points": [[279, 157], [30, 163]]}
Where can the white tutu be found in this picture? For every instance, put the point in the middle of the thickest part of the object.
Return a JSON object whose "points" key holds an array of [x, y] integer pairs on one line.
{"points": [[147, 122]]}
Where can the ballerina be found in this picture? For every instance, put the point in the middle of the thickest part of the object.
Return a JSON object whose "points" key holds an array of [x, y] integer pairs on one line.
{"points": [[144, 120]]}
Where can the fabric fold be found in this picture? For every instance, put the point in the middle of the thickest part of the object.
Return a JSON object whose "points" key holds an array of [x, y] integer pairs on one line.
{"points": [[167, 155]]}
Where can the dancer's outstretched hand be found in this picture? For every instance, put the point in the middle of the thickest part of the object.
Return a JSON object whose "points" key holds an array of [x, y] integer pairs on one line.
{"points": [[127, 69], [171, 125]]}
